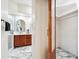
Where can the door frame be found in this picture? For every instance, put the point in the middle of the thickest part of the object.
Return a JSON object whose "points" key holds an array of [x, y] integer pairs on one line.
{"points": [[51, 51]]}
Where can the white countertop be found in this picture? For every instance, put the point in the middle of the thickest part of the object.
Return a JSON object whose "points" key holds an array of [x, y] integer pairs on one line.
{"points": [[22, 33]]}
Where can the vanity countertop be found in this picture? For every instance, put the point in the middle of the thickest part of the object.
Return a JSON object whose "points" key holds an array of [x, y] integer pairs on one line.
{"points": [[22, 33]]}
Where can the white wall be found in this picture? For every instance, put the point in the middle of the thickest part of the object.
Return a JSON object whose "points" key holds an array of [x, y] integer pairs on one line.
{"points": [[64, 2], [69, 33], [12, 7], [4, 9], [40, 10], [4, 45], [67, 18], [4, 37], [58, 32], [65, 9]]}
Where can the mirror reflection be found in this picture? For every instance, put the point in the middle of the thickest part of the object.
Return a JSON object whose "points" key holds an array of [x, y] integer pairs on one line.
{"points": [[20, 33]]}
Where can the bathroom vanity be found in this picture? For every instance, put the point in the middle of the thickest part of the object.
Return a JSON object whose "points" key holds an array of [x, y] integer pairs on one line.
{"points": [[22, 40]]}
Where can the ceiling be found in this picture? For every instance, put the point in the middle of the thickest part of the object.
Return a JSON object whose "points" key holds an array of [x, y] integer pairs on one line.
{"points": [[60, 3], [24, 2], [65, 9]]}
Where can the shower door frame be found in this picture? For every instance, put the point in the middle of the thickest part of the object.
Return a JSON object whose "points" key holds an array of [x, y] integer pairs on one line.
{"points": [[51, 51]]}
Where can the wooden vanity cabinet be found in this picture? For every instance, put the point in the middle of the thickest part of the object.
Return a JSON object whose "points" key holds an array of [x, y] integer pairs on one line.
{"points": [[22, 40]]}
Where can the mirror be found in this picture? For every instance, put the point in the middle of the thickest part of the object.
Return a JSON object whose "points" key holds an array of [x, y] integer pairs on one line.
{"points": [[20, 26], [20, 34]]}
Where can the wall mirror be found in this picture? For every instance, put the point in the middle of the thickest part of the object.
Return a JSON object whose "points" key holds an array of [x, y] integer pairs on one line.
{"points": [[20, 34], [20, 26]]}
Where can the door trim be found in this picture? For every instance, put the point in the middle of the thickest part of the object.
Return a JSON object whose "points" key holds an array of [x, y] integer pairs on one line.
{"points": [[51, 51], [49, 29]]}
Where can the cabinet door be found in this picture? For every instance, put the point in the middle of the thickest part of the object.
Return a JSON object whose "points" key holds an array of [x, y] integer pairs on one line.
{"points": [[22, 40], [16, 40], [19, 40], [28, 39]]}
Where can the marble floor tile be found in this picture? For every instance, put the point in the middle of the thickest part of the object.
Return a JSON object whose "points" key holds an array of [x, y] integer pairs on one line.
{"points": [[20, 53], [26, 53], [61, 54]]}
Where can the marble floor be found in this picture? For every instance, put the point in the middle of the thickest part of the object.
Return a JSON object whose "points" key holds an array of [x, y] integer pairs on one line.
{"points": [[20, 53], [26, 53], [61, 54]]}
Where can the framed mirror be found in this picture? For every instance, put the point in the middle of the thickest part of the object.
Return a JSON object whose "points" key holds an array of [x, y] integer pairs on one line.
{"points": [[20, 26]]}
